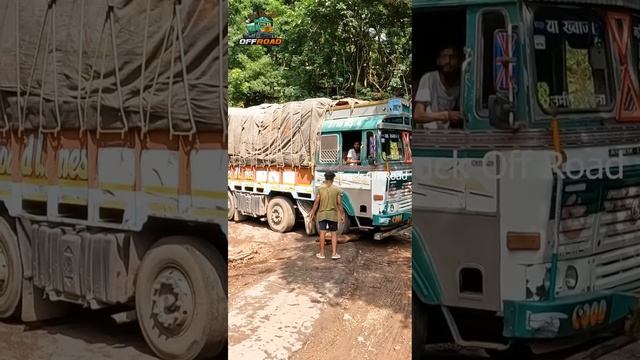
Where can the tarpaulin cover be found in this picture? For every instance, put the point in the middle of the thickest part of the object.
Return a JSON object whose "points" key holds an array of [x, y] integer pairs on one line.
{"points": [[278, 134], [76, 57]]}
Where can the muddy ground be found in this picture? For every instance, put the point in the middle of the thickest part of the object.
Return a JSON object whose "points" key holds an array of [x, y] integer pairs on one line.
{"points": [[287, 304], [284, 304], [82, 336]]}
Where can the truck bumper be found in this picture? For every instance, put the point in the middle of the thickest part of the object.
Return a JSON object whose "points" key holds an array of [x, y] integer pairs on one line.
{"points": [[566, 316], [390, 220]]}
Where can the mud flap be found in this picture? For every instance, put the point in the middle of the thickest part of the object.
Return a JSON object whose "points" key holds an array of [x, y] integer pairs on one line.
{"points": [[35, 307], [309, 226], [305, 208]]}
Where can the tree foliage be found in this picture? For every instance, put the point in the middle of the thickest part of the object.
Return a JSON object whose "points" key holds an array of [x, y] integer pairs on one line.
{"points": [[332, 48]]}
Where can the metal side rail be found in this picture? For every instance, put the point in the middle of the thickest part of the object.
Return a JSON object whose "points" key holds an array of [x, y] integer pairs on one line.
{"points": [[385, 234]]}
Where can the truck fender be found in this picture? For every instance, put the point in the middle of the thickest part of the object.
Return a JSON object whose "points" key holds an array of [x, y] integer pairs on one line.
{"points": [[426, 282], [347, 204]]}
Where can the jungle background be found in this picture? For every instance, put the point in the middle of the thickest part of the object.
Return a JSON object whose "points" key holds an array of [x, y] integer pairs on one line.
{"points": [[331, 48]]}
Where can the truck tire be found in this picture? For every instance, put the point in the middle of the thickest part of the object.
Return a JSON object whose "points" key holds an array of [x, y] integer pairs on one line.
{"points": [[10, 271], [231, 204], [281, 215], [420, 325], [343, 227], [181, 299]]}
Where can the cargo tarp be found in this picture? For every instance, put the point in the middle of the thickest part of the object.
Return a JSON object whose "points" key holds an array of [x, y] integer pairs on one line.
{"points": [[278, 134], [83, 42]]}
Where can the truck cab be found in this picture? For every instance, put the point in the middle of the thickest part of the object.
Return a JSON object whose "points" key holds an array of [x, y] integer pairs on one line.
{"points": [[549, 96], [376, 183]]}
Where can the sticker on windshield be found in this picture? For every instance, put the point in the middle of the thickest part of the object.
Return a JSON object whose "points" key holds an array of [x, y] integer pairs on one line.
{"points": [[395, 152], [540, 42]]}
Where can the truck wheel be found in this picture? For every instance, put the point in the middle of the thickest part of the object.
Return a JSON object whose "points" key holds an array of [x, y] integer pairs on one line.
{"points": [[281, 214], [10, 271], [181, 299], [231, 205], [344, 226], [419, 333]]}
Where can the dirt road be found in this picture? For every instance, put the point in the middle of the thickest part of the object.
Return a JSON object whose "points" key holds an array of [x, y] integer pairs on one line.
{"points": [[86, 335], [287, 304]]}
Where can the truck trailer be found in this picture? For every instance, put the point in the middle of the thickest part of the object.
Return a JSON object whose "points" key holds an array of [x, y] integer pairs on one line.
{"points": [[112, 122]]}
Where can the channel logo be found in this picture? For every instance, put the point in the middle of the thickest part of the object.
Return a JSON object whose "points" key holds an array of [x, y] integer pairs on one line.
{"points": [[259, 29]]}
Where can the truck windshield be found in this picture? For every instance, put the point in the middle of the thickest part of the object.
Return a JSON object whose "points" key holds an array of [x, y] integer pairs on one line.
{"points": [[573, 65], [391, 145]]}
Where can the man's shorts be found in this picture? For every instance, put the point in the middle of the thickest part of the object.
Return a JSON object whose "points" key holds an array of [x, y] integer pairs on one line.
{"points": [[328, 225]]}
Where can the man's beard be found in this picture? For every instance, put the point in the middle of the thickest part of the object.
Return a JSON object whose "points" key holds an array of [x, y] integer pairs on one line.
{"points": [[442, 70], [449, 75]]}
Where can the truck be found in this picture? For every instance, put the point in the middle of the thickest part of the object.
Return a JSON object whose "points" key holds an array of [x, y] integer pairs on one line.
{"points": [[259, 28], [278, 154], [112, 122], [526, 231]]}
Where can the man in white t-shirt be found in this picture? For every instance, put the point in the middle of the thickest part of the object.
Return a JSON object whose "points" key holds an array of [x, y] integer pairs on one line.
{"points": [[353, 155], [438, 96]]}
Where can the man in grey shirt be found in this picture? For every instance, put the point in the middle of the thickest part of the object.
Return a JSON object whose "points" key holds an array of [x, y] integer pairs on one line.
{"points": [[438, 96]]}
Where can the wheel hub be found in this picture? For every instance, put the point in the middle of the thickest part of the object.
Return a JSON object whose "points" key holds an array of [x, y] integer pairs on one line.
{"points": [[276, 215], [171, 300], [4, 269]]}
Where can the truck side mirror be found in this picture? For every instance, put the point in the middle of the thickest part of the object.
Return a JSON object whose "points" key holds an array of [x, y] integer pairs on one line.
{"points": [[499, 110]]}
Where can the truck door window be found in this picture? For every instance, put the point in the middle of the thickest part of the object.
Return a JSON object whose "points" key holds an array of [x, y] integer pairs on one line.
{"points": [[490, 21], [329, 149], [371, 147], [349, 139]]}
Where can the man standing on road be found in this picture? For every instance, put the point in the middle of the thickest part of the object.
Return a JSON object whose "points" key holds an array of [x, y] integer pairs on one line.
{"points": [[328, 206], [438, 96]]}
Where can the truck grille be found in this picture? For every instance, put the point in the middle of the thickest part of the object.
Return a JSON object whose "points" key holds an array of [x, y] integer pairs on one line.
{"points": [[402, 196], [578, 219], [618, 269], [618, 227], [601, 217]]}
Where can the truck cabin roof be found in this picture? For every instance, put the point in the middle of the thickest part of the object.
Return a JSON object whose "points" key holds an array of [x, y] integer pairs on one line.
{"points": [[363, 123]]}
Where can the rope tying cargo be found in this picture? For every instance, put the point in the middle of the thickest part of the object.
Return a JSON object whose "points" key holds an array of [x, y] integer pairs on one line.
{"points": [[125, 123], [40, 48], [222, 70], [18, 85], [81, 117], [185, 81]]}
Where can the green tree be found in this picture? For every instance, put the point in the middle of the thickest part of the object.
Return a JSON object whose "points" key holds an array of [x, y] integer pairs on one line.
{"points": [[332, 48]]}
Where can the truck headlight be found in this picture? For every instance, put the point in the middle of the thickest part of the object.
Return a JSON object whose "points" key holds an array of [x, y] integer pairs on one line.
{"points": [[392, 208], [571, 277]]}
